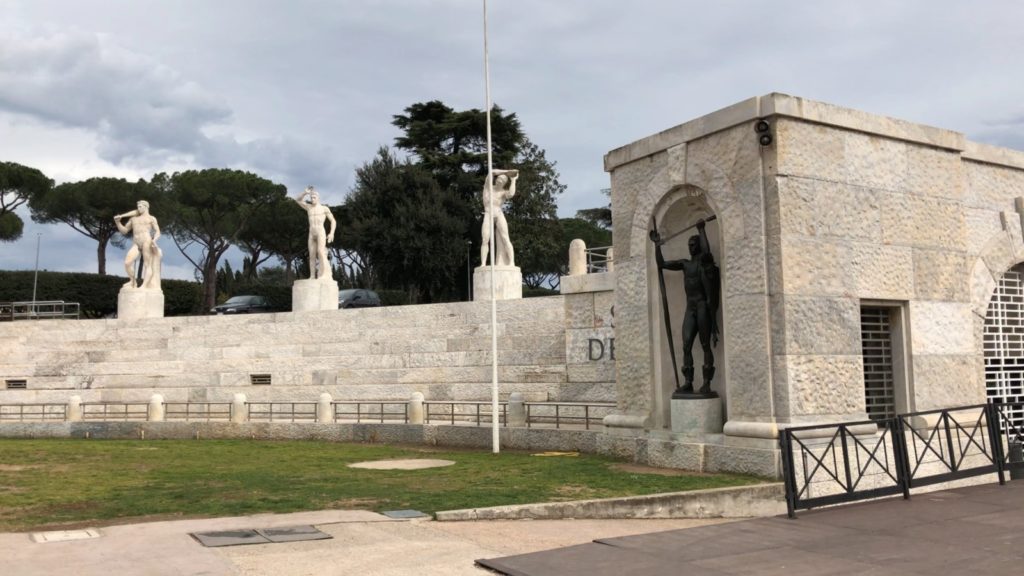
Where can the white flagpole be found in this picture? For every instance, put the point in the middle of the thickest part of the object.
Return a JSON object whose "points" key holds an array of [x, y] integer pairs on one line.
{"points": [[489, 185]]}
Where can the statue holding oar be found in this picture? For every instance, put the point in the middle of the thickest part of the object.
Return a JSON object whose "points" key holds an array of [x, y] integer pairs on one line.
{"points": [[701, 283]]}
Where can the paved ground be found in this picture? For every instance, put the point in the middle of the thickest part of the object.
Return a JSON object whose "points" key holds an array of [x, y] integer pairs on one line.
{"points": [[363, 543], [972, 530]]}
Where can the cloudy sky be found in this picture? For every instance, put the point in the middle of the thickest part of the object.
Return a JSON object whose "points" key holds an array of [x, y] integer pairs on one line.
{"points": [[303, 91]]}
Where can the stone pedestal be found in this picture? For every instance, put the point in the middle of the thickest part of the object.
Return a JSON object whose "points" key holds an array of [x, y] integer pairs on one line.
{"points": [[317, 294], [697, 417], [508, 283], [135, 303]]}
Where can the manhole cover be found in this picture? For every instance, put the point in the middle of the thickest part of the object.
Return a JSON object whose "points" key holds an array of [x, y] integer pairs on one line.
{"points": [[65, 535], [293, 534], [259, 536], [229, 538], [410, 464]]}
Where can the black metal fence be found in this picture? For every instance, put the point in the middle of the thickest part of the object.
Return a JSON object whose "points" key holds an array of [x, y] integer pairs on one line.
{"points": [[849, 461]]}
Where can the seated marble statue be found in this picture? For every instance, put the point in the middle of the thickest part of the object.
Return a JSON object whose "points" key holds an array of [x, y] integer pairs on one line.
{"points": [[501, 186], [319, 265], [144, 231]]}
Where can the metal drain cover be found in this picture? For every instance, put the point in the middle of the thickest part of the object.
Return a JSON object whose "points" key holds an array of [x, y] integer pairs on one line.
{"points": [[293, 534], [259, 536], [229, 538], [65, 535]]}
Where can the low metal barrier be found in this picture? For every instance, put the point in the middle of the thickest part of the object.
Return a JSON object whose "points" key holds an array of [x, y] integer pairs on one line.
{"points": [[197, 411], [363, 411], [40, 310], [559, 413], [463, 412], [33, 412], [597, 259], [281, 411], [115, 411], [835, 463]]}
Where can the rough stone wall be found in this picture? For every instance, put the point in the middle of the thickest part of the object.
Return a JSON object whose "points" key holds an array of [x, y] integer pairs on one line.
{"points": [[869, 217], [441, 350]]}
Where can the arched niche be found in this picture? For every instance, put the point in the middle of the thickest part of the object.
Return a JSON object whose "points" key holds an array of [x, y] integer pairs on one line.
{"points": [[679, 210]]}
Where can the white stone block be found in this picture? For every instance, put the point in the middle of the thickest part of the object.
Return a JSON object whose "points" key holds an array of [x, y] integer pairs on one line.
{"points": [[136, 303], [508, 283], [309, 295], [697, 416]]}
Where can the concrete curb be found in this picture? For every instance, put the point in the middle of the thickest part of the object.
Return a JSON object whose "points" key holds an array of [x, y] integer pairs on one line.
{"points": [[740, 502]]}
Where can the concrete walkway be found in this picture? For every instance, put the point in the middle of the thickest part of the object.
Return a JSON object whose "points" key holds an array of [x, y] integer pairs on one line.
{"points": [[973, 530], [363, 543]]}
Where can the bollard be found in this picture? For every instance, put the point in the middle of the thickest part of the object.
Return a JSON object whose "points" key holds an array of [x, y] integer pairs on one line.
{"points": [[324, 410], [516, 410], [238, 412], [1016, 456], [416, 408], [577, 257], [156, 408], [610, 258], [75, 409]]}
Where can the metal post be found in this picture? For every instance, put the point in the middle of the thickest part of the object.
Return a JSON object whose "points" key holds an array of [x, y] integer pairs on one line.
{"points": [[495, 438], [35, 278], [469, 271]]}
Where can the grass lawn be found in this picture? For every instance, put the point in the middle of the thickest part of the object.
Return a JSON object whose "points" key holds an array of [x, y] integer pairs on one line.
{"points": [[52, 483]]}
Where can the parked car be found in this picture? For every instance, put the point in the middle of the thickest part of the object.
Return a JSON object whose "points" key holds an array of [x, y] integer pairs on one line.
{"points": [[358, 298], [242, 305]]}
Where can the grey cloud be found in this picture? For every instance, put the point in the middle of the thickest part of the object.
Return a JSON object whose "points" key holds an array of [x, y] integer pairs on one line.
{"points": [[78, 80]]}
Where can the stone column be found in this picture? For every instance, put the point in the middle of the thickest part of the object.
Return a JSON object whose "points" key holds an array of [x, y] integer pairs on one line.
{"points": [[416, 408], [516, 410], [577, 257], [324, 409], [75, 409], [156, 408], [239, 414]]}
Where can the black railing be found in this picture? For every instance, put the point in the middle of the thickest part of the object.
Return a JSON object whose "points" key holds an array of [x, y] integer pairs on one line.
{"points": [[463, 411], [849, 461], [198, 411], [281, 411], [366, 411], [559, 413]]}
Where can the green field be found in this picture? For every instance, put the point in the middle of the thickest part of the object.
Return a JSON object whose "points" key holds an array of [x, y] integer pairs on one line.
{"points": [[53, 483]]}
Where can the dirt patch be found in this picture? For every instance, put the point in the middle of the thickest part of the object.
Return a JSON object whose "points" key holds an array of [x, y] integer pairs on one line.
{"points": [[15, 467], [641, 469], [113, 522], [354, 503], [406, 464], [573, 492]]}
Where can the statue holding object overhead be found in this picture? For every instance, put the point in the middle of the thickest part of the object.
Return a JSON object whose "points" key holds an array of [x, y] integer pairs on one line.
{"points": [[319, 265], [145, 231], [702, 287], [499, 187]]}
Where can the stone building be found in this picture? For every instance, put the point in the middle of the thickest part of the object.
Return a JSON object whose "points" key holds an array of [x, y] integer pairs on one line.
{"points": [[868, 267]]}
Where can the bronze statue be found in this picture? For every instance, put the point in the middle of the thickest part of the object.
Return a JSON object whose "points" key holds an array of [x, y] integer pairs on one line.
{"points": [[701, 284]]}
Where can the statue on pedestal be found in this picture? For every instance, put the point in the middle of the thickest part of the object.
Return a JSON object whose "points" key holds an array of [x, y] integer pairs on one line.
{"points": [[499, 187], [701, 283], [319, 265], [145, 231]]}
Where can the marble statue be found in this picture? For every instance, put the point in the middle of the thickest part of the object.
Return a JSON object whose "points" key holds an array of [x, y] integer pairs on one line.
{"points": [[145, 231], [702, 287], [319, 265], [500, 187]]}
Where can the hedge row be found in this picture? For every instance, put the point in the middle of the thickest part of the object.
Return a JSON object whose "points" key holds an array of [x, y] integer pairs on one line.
{"points": [[95, 294]]}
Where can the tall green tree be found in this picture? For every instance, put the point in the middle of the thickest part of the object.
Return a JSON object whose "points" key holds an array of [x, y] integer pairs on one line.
{"points": [[277, 229], [18, 184], [210, 209], [452, 146], [88, 207], [409, 229]]}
